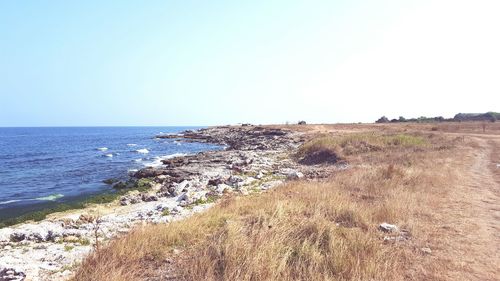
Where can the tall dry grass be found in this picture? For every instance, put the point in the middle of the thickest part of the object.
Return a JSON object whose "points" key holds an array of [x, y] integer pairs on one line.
{"points": [[298, 231]]}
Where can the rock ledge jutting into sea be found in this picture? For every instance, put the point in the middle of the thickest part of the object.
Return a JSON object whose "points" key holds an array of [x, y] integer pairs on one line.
{"points": [[255, 159]]}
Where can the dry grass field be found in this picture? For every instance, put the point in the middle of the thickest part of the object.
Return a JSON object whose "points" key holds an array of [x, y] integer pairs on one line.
{"points": [[440, 184]]}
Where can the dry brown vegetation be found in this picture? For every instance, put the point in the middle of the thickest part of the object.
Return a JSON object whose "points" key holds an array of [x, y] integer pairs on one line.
{"points": [[308, 230]]}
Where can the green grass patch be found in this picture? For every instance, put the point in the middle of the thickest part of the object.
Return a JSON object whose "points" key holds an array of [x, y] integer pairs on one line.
{"points": [[359, 143], [208, 199]]}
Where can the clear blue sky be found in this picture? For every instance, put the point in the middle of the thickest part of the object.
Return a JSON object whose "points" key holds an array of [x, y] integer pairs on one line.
{"points": [[69, 63]]}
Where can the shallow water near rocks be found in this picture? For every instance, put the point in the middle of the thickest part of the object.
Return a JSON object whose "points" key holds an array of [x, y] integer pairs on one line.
{"points": [[41, 167]]}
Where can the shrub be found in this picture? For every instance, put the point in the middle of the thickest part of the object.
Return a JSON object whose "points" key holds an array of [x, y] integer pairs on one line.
{"points": [[382, 119]]}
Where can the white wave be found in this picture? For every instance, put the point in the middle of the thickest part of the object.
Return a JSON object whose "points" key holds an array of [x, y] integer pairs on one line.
{"points": [[50, 197], [46, 198], [157, 162], [131, 144], [138, 160], [102, 148], [143, 151], [108, 155], [9, 201]]}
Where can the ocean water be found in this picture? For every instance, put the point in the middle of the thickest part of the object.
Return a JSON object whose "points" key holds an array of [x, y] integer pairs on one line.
{"points": [[43, 166]]}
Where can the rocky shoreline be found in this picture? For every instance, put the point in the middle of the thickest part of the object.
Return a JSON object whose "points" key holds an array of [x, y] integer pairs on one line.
{"points": [[254, 159]]}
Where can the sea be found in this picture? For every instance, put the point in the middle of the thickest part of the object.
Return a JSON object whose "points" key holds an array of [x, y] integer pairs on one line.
{"points": [[43, 166]]}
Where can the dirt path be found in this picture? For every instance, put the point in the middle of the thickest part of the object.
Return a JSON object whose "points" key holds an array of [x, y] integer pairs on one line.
{"points": [[468, 237]]}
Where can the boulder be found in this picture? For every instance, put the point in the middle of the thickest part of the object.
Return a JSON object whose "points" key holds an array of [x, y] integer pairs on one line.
{"points": [[149, 197], [130, 199], [17, 236], [216, 181], [386, 227], [85, 218], [45, 231], [178, 188], [10, 274], [234, 180], [222, 188], [294, 175]]}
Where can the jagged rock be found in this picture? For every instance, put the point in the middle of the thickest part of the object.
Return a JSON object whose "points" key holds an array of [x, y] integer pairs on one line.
{"points": [[149, 172], [10, 274], [149, 197], [17, 237], [186, 197], [178, 188], [234, 180], [130, 199], [216, 181], [42, 232], [84, 218]]}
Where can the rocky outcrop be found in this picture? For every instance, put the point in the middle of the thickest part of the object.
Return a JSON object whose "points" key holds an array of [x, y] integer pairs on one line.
{"points": [[255, 160], [243, 138]]}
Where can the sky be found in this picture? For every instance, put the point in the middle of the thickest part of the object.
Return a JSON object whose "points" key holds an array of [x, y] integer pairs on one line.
{"points": [[159, 63]]}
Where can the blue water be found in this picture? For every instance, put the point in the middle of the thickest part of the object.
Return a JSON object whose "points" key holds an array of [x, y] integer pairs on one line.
{"points": [[56, 164]]}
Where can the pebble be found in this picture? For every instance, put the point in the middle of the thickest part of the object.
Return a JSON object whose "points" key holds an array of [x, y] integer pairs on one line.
{"points": [[426, 250]]}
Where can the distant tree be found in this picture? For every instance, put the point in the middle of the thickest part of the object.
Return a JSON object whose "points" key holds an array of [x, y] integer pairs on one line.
{"points": [[302, 122], [490, 116], [394, 120], [382, 119], [401, 119], [439, 119], [421, 119]]}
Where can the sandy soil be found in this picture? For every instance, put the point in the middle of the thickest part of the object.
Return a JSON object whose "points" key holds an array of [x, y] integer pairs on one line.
{"points": [[469, 217]]}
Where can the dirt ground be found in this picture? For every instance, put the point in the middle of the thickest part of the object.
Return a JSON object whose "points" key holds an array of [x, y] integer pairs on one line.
{"points": [[465, 237], [469, 218]]}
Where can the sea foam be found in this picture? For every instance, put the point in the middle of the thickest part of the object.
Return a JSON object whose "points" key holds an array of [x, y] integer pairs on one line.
{"points": [[50, 197], [157, 160], [9, 201]]}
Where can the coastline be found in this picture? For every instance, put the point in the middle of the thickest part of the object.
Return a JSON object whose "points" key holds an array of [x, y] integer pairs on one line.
{"points": [[255, 159]]}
